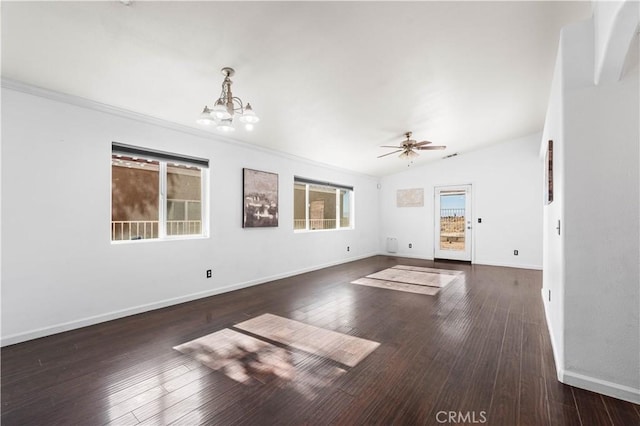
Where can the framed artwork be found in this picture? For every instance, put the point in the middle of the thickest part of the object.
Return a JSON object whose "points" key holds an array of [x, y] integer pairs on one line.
{"points": [[260, 198], [549, 173], [410, 197]]}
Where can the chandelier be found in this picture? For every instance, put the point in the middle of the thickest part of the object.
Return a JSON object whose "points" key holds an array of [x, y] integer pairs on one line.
{"points": [[228, 108]]}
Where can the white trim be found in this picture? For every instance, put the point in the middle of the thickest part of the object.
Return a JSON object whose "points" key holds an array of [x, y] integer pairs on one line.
{"points": [[121, 112], [410, 256], [306, 205], [510, 265], [338, 201], [162, 201], [187, 237], [615, 390], [205, 203], [338, 217], [468, 254], [503, 265], [311, 231], [556, 357], [162, 222], [96, 319]]}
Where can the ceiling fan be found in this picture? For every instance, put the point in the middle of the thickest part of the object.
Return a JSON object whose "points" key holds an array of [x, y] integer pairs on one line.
{"points": [[409, 147]]}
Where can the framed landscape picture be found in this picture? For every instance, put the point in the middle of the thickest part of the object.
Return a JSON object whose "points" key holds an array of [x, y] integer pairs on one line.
{"points": [[260, 198]]}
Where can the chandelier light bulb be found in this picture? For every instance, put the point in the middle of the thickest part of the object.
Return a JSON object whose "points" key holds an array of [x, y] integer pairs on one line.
{"points": [[220, 111], [225, 125], [205, 117], [249, 116]]}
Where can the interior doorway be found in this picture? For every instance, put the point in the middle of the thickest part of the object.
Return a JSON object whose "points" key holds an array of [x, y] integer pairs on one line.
{"points": [[453, 222]]}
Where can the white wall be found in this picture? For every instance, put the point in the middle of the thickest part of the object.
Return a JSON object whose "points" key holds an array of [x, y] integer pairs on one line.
{"points": [[59, 268], [598, 127], [507, 194], [602, 251], [553, 243], [615, 26]]}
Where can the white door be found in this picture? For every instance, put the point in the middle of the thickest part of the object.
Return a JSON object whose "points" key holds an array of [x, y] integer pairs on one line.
{"points": [[453, 222]]}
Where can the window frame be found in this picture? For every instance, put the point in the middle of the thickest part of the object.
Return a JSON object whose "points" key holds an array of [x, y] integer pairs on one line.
{"points": [[164, 159], [297, 180]]}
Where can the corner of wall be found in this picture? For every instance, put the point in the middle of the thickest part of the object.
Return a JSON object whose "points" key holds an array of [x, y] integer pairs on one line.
{"points": [[555, 345], [615, 24], [594, 333]]}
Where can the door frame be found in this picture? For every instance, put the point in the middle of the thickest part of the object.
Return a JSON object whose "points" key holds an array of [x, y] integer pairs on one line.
{"points": [[467, 255]]}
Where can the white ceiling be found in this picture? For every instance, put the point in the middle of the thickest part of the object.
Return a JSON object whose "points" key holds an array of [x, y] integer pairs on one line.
{"points": [[331, 81]]}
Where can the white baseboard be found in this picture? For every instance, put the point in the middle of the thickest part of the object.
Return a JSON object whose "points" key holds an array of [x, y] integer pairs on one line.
{"points": [[615, 390], [96, 319], [510, 265], [425, 257], [409, 256], [604, 387], [556, 357]]}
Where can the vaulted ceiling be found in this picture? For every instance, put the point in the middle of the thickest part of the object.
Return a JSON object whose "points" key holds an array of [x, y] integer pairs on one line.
{"points": [[331, 81]]}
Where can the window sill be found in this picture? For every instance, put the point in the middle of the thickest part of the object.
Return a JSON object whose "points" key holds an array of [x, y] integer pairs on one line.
{"points": [[309, 231], [160, 240]]}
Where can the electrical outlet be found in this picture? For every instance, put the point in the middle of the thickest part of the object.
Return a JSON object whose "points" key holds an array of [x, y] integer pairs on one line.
{"points": [[515, 252], [410, 245], [208, 273], [549, 295], [348, 248]]}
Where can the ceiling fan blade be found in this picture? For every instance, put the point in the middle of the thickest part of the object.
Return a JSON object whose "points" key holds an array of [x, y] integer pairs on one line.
{"points": [[394, 152], [423, 143], [389, 146], [432, 147]]}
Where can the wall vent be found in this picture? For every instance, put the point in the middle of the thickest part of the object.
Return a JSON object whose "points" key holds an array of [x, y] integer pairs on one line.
{"points": [[392, 244]]}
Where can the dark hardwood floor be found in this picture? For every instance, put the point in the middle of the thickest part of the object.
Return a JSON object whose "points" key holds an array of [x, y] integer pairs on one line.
{"points": [[478, 351]]}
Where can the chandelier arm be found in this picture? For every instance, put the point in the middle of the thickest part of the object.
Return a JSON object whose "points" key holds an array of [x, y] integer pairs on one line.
{"points": [[238, 101]]}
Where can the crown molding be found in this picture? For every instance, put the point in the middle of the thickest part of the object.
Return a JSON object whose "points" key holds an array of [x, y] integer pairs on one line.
{"points": [[147, 119]]}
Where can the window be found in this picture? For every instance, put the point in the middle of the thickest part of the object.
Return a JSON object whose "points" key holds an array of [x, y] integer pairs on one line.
{"points": [[321, 205], [156, 195]]}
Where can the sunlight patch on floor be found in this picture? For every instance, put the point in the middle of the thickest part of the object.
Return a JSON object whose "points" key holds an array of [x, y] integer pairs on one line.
{"points": [[241, 357], [250, 360], [410, 279], [342, 348]]}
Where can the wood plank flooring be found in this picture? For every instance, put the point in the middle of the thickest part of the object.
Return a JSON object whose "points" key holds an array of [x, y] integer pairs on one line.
{"points": [[479, 349]]}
